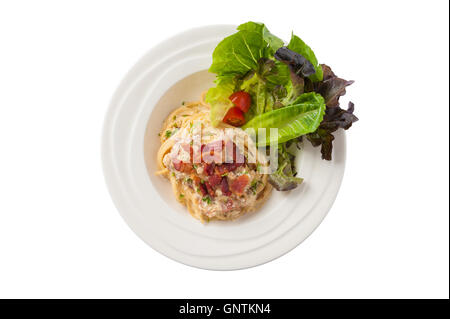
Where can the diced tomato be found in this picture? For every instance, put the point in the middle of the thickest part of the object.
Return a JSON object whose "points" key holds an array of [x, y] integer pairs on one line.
{"points": [[237, 186], [234, 117], [242, 100]]}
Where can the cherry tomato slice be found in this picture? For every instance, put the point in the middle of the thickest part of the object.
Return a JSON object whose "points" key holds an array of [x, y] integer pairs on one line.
{"points": [[234, 117], [242, 100]]}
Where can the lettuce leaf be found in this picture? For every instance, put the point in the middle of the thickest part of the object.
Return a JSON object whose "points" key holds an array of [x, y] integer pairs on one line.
{"points": [[297, 45], [292, 121], [218, 97], [261, 83], [334, 118], [284, 178], [273, 41], [277, 77], [297, 63], [238, 53], [332, 87], [247, 56]]}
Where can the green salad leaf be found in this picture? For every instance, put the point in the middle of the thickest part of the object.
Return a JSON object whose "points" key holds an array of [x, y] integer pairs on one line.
{"points": [[300, 118], [289, 91], [334, 119], [218, 98], [238, 53], [273, 41], [284, 178], [297, 45]]}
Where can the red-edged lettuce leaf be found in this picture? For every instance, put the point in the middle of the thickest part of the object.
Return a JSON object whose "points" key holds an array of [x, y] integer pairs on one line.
{"points": [[298, 45], [334, 119], [332, 87], [296, 62]]}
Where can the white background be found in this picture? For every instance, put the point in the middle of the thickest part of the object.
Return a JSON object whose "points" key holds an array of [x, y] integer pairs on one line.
{"points": [[60, 235]]}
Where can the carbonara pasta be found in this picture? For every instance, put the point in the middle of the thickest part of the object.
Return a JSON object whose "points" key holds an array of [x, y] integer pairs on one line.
{"points": [[216, 172]]}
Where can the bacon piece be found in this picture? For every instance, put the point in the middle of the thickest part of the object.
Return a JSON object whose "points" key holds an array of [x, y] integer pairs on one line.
{"points": [[224, 186], [209, 168], [181, 166], [227, 167], [237, 186], [210, 189], [203, 189], [176, 163], [221, 169], [214, 180], [186, 168], [196, 180], [232, 166]]}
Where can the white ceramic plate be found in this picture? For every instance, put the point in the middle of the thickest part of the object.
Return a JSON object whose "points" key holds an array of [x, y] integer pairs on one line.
{"points": [[172, 72]]}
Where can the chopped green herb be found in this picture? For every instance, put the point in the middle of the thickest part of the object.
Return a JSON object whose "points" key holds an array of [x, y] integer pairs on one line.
{"points": [[258, 168], [184, 115], [254, 186], [194, 166], [224, 174], [173, 174], [181, 195], [188, 180], [207, 199], [159, 134], [182, 103], [174, 117], [168, 133]]}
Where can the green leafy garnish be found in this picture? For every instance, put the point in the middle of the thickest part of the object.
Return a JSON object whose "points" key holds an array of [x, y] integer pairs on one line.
{"points": [[254, 185], [285, 177], [207, 199], [289, 91], [301, 118], [297, 45], [168, 133]]}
